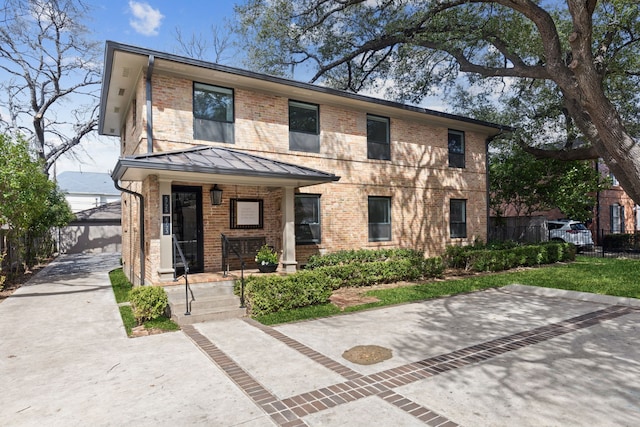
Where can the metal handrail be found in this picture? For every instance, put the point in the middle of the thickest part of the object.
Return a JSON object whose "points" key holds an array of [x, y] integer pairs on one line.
{"points": [[226, 245], [187, 289]]}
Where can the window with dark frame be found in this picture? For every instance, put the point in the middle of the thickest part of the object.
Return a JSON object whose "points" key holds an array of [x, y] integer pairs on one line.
{"points": [[213, 113], [456, 149], [304, 127], [378, 145], [616, 213], [307, 219], [458, 218], [379, 219]]}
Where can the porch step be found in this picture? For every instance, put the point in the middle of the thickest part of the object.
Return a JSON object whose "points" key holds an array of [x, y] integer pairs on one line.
{"points": [[211, 301]]}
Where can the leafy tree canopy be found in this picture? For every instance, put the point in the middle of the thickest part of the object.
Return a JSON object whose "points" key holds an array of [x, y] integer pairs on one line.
{"points": [[568, 71], [29, 202]]}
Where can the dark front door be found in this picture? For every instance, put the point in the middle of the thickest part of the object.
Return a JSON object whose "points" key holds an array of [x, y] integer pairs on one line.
{"points": [[187, 226]]}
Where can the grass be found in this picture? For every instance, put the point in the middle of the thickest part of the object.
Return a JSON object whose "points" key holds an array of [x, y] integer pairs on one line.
{"points": [[121, 287], [617, 277]]}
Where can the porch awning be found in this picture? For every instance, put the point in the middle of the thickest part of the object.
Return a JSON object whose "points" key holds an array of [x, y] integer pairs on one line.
{"points": [[218, 165]]}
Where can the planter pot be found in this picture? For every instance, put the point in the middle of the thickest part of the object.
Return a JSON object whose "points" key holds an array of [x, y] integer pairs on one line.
{"points": [[267, 268]]}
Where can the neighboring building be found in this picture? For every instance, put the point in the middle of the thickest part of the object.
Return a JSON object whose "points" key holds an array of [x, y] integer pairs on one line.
{"points": [[94, 230], [86, 190], [615, 211], [211, 150]]}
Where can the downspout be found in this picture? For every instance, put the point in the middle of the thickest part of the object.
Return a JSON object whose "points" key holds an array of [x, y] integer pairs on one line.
{"points": [[149, 105], [141, 219]]}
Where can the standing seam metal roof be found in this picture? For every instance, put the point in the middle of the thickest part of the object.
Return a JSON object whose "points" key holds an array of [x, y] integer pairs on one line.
{"points": [[208, 159]]}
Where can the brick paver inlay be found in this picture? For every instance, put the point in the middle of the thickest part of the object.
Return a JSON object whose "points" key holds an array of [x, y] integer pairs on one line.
{"points": [[289, 412]]}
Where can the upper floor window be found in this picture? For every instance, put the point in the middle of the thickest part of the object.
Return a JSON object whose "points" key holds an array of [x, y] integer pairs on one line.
{"points": [[458, 218], [307, 218], [378, 146], [213, 113], [304, 127], [379, 219], [456, 149]]}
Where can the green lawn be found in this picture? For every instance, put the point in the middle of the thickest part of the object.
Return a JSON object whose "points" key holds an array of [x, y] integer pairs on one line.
{"points": [[618, 277]]}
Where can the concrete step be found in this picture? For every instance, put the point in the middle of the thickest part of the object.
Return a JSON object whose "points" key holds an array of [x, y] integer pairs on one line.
{"points": [[204, 316], [211, 301], [200, 303]]}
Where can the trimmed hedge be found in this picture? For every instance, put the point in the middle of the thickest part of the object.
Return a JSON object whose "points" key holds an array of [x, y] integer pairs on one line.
{"points": [[371, 273], [324, 274], [629, 242], [361, 256], [477, 259], [271, 293]]}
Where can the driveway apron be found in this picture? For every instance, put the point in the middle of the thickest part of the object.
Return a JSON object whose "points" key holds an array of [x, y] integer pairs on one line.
{"points": [[511, 356]]}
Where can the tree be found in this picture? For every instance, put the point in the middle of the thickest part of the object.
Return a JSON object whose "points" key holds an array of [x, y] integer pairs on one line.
{"points": [[49, 64], [30, 204], [201, 46], [525, 184], [575, 59]]}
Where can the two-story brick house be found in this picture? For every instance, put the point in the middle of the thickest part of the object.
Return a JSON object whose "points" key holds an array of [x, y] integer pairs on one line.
{"points": [[210, 150]]}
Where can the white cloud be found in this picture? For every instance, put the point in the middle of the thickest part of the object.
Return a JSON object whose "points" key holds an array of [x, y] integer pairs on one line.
{"points": [[146, 20]]}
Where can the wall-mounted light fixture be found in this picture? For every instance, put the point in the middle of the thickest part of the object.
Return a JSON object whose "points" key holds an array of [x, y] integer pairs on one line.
{"points": [[216, 195]]}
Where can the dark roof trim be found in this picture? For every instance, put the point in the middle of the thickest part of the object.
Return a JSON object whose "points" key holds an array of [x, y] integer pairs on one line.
{"points": [[111, 47]]}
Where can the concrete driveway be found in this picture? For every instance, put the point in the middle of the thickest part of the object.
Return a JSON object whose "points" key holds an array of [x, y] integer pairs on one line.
{"points": [[514, 356]]}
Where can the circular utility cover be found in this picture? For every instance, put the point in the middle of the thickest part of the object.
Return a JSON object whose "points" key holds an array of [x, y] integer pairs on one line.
{"points": [[367, 354]]}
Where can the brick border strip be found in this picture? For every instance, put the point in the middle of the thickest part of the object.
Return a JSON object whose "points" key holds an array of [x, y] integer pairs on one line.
{"points": [[312, 354], [289, 411], [381, 383], [256, 391]]}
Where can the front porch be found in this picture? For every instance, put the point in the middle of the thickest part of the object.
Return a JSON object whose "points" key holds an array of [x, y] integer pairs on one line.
{"points": [[210, 296], [203, 193]]}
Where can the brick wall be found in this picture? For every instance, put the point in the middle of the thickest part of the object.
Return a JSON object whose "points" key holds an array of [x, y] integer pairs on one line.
{"points": [[417, 178]]}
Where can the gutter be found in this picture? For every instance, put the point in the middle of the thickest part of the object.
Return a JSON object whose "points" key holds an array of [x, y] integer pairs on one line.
{"points": [[141, 219]]}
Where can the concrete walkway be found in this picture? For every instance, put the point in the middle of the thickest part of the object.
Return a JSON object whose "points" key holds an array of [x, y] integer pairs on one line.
{"points": [[514, 356]]}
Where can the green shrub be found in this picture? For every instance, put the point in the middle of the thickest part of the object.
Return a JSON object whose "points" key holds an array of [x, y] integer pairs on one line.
{"points": [[148, 302], [360, 256], [371, 273], [621, 242], [473, 258], [273, 293]]}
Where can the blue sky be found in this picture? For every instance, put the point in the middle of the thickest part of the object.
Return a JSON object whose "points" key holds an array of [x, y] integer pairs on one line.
{"points": [[151, 24], [148, 24]]}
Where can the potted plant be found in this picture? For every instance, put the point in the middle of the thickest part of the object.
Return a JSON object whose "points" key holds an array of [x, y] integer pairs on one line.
{"points": [[267, 259]]}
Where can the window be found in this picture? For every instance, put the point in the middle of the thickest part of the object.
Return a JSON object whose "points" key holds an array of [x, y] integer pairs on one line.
{"points": [[379, 219], [456, 149], [307, 226], [378, 146], [617, 218], [213, 113], [458, 218], [304, 127]]}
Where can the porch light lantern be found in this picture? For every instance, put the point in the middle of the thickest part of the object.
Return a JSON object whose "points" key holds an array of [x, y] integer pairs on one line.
{"points": [[216, 195]]}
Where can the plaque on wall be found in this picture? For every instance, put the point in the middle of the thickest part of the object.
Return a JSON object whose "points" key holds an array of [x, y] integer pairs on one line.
{"points": [[166, 225], [246, 213], [166, 204]]}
